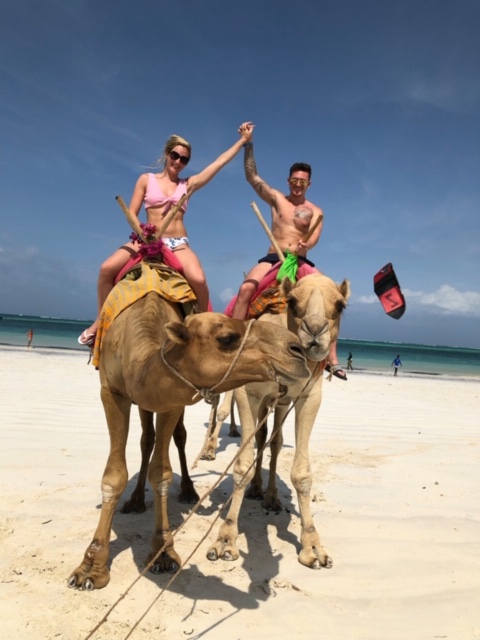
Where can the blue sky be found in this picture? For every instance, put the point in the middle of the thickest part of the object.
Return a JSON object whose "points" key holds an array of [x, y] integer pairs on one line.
{"points": [[382, 99]]}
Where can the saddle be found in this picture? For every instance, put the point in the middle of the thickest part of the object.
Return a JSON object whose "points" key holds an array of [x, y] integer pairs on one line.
{"points": [[267, 296]]}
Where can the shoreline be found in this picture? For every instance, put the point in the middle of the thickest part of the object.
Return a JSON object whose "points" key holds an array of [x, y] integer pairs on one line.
{"points": [[404, 372]]}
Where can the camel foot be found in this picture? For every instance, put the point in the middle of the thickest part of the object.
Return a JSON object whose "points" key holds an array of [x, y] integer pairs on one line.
{"points": [[227, 552], [87, 578], [167, 562], [188, 495], [315, 559], [208, 454], [272, 503], [234, 432], [254, 491], [135, 504]]}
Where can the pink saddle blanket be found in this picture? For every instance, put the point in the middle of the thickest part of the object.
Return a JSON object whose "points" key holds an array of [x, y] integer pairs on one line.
{"points": [[269, 280], [169, 259]]}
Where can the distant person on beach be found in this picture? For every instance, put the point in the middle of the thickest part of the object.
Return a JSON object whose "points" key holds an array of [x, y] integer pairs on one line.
{"points": [[159, 192], [396, 363], [349, 362], [292, 216], [29, 335]]}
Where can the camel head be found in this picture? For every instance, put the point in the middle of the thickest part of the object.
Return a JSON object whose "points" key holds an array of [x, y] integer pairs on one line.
{"points": [[315, 306], [203, 348]]}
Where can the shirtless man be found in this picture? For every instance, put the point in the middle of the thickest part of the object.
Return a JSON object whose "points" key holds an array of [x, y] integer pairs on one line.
{"points": [[292, 216]]}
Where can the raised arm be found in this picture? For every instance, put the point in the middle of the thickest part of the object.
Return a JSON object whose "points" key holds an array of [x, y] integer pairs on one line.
{"points": [[199, 180], [265, 192]]}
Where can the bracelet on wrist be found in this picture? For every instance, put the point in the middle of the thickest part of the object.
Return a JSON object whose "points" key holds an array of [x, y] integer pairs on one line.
{"points": [[247, 144]]}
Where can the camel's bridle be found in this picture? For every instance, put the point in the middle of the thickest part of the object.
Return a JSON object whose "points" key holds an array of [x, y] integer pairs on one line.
{"points": [[208, 394]]}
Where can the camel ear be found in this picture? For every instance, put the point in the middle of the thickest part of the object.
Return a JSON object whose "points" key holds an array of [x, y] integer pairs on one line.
{"points": [[178, 333], [286, 286], [344, 289]]}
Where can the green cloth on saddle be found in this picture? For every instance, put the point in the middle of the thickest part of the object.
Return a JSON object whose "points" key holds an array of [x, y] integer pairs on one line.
{"points": [[288, 268], [271, 300], [169, 284]]}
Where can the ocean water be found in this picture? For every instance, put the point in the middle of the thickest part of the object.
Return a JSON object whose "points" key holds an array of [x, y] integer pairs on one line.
{"points": [[417, 359]]}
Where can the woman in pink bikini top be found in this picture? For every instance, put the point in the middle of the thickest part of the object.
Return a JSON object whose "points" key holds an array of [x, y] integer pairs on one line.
{"points": [[158, 192]]}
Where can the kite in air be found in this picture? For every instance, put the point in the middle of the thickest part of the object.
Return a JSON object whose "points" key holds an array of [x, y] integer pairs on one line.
{"points": [[387, 288]]}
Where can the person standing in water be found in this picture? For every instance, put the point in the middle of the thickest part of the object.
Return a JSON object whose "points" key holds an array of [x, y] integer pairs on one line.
{"points": [[349, 362], [29, 335], [396, 363]]}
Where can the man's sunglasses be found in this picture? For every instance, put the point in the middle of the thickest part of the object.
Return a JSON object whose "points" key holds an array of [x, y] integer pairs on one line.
{"points": [[176, 156], [298, 181]]}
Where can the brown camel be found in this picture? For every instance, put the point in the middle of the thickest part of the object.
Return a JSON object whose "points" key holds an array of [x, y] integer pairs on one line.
{"points": [[315, 305], [152, 358]]}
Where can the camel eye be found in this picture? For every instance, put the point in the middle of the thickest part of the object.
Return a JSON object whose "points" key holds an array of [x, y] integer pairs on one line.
{"points": [[229, 341], [340, 307], [295, 308]]}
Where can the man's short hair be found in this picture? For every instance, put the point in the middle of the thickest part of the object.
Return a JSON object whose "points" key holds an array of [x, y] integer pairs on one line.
{"points": [[301, 166]]}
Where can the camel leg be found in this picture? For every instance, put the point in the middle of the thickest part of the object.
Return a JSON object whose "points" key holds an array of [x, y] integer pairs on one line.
{"points": [[225, 545], [93, 572], [136, 502], [160, 477], [211, 446], [312, 553], [209, 451], [271, 501], [255, 490], [233, 431], [187, 494]]}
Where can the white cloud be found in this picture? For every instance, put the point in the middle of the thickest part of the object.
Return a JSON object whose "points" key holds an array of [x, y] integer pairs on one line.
{"points": [[448, 300], [367, 299], [445, 300]]}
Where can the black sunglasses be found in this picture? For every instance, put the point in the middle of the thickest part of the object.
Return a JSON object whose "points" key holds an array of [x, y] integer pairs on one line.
{"points": [[176, 156]]}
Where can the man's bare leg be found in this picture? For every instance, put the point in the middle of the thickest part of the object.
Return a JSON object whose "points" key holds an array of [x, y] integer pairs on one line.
{"points": [[334, 364], [248, 288]]}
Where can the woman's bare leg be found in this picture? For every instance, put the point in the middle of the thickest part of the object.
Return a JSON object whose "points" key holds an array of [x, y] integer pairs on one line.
{"points": [[106, 281], [194, 274]]}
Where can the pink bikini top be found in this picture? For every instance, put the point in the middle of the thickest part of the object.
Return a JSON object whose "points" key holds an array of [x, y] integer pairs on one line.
{"points": [[155, 198]]}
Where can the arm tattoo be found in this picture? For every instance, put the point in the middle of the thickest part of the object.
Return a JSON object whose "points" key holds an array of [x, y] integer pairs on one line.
{"points": [[249, 163], [251, 173]]}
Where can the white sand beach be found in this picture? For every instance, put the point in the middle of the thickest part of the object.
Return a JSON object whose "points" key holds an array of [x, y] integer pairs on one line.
{"points": [[396, 501]]}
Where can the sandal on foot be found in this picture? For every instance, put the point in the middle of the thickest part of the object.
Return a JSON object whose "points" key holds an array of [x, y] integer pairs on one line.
{"points": [[337, 371], [87, 339]]}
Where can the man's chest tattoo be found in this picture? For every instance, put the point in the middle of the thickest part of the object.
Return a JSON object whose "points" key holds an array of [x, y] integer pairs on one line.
{"points": [[303, 212]]}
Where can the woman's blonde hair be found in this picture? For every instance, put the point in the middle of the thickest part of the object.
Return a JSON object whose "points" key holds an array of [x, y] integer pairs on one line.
{"points": [[170, 144]]}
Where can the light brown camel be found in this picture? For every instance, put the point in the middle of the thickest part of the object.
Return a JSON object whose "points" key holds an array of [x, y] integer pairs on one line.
{"points": [[145, 350], [315, 305]]}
